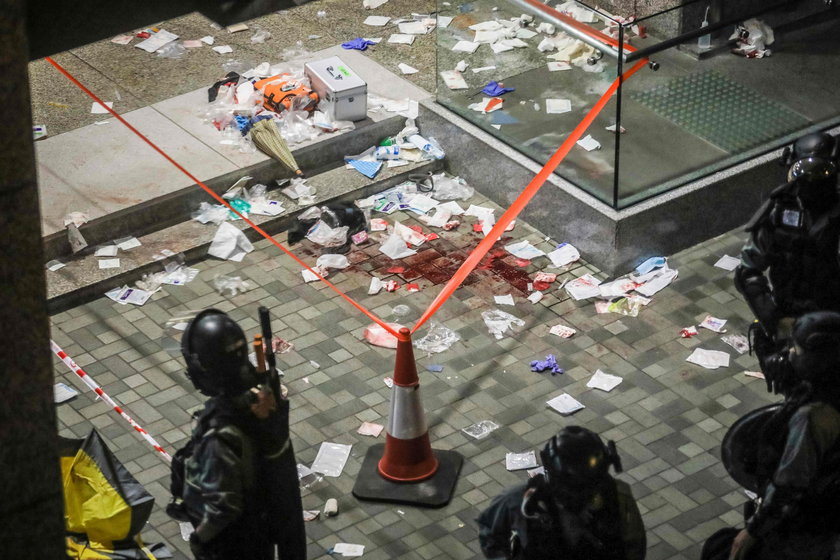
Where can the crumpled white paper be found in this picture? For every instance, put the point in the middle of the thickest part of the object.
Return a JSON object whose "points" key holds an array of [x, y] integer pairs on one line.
{"points": [[230, 243]]}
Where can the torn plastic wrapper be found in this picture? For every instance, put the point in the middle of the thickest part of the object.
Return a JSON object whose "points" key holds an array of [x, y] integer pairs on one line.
{"points": [[498, 322], [481, 429], [230, 286], [331, 260], [211, 213], [324, 235], [450, 188], [378, 336], [439, 339], [395, 248]]}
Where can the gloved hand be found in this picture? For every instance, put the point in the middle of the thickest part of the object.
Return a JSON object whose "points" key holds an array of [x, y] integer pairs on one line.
{"points": [[196, 547]]}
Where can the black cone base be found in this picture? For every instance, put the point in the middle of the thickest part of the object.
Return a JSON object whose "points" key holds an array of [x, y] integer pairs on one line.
{"points": [[433, 492]]}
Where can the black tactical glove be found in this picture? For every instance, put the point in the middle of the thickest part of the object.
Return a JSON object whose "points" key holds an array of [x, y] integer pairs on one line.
{"points": [[197, 547]]}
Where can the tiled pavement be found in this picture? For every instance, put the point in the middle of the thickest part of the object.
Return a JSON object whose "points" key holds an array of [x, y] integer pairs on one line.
{"points": [[667, 417]]}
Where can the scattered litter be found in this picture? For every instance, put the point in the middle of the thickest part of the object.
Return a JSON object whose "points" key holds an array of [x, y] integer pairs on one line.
{"points": [[495, 89], [611, 128], [75, 238], [390, 286], [444, 21], [332, 260], [481, 429], [395, 247], [498, 322], [564, 254], [375, 286], [536, 472], [661, 279], [649, 265], [359, 44], [63, 393], [389, 382], [109, 263], [311, 514], [230, 243], [192, 44], [453, 79], [237, 27], [106, 251], [370, 429], [122, 39], [314, 364], [126, 243], [331, 458], [127, 295], [439, 339], [156, 41], [310, 276], [588, 143], [603, 381], [378, 224], [524, 250], [483, 69], [401, 39], [223, 49], [39, 131], [230, 286], [624, 305], [562, 331], [520, 461], [709, 359], [586, 286], [558, 66], [565, 404], [467, 47], [688, 332], [728, 263], [434, 368], [208, 40], [504, 300], [348, 550], [411, 287], [545, 278], [535, 297], [378, 336], [557, 106], [373, 4], [550, 363], [756, 374], [377, 21], [737, 341], [98, 109], [406, 69], [713, 324], [54, 265]]}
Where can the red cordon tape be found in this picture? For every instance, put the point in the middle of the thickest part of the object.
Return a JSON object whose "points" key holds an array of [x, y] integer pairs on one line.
{"points": [[104, 396], [522, 200], [221, 200]]}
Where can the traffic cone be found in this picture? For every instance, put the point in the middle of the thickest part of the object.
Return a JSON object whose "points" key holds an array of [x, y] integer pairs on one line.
{"points": [[408, 453], [406, 469]]}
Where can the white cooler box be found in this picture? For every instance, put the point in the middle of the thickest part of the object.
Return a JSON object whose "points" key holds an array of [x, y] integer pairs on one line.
{"points": [[343, 93]]}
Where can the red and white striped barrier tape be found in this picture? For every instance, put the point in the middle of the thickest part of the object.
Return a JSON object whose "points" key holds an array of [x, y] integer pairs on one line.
{"points": [[68, 361]]}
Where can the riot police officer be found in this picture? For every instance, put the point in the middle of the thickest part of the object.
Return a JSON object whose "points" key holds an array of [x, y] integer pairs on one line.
{"points": [[230, 489], [797, 463], [575, 510], [790, 264]]}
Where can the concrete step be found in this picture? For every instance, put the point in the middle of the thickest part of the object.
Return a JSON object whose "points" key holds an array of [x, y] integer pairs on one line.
{"points": [[172, 208], [82, 280]]}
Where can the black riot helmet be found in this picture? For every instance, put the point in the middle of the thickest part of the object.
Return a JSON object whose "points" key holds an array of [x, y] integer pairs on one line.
{"points": [[812, 166], [816, 347], [216, 352], [577, 463]]}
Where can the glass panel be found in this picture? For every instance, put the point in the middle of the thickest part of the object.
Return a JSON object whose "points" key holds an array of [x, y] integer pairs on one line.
{"points": [[703, 110], [706, 108], [524, 121]]}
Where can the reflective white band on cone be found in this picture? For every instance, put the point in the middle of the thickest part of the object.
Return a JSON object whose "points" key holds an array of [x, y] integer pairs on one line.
{"points": [[407, 419]]}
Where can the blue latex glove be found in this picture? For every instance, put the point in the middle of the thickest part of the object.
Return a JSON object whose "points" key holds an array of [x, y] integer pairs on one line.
{"points": [[358, 44], [550, 363], [493, 89], [650, 264]]}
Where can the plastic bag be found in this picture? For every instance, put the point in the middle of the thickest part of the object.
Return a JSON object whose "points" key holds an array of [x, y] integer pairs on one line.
{"points": [[261, 36], [172, 50], [438, 339], [331, 260], [230, 286], [295, 127], [450, 188], [324, 235], [481, 429], [498, 322], [207, 213], [378, 336]]}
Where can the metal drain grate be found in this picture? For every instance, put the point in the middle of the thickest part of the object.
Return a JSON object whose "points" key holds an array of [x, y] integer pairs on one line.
{"points": [[727, 114]]}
